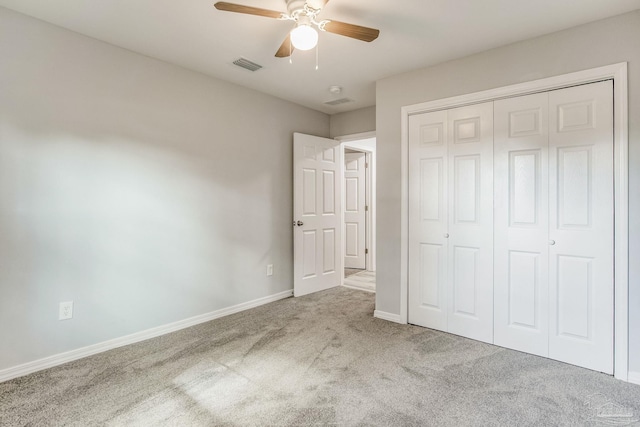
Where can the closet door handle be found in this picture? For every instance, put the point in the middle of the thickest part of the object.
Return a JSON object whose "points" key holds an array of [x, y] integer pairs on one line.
{"points": [[552, 242], [446, 235]]}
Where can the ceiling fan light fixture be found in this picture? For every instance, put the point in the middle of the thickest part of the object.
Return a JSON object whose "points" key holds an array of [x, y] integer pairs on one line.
{"points": [[304, 37]]}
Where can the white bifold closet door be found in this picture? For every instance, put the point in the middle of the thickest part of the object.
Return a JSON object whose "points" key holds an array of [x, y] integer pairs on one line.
{"points": [[581, 228], [511, 223], [521, 238], [428, 219], [451, 221], [554, 225]]}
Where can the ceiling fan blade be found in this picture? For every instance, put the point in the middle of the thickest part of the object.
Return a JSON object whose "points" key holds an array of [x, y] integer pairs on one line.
{"points": [[238, 8], [354, 31], [285, 48]]}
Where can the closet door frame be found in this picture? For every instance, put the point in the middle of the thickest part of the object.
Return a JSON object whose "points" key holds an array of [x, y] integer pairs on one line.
{"points": [[615, 72]]}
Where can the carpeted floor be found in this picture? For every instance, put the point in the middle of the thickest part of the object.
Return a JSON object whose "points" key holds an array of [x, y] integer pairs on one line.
{"points": [[316, 360]]}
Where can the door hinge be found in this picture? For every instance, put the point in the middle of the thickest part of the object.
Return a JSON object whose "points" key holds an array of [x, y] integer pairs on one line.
{"points": [[366, 251], [366, 208], [366, 165]]}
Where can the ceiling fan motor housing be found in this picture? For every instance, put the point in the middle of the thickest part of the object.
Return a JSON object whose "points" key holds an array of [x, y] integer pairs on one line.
{"points": [[293, 5]]}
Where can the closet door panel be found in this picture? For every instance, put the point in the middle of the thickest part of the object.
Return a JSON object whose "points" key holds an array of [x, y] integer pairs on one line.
{"points": [[428, 189], [581, 225], [470, 216], [521, 223]]}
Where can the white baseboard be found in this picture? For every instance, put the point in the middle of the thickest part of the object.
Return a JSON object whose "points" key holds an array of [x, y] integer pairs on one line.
{"points": [[634, 377], [391, 317], [59, 359]]}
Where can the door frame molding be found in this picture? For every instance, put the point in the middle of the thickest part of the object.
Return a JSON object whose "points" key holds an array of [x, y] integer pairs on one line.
{"points": [[616, 72]]}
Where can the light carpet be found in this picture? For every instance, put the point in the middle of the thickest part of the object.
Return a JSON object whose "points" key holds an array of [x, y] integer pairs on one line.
{"points": [[316, 360]]}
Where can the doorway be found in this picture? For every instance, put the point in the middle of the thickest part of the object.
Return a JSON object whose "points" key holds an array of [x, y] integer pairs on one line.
{"points": [[359, 213]]}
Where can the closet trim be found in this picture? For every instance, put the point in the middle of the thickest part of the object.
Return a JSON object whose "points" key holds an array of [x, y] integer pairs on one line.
{"points": [[617, 73]]}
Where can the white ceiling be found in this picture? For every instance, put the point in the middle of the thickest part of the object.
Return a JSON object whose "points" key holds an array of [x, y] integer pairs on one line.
{"points": [[413, 34]]}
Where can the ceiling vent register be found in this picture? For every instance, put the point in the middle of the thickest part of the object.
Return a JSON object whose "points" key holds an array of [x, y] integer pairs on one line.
{"points": [[247, 65], [339, 101]]}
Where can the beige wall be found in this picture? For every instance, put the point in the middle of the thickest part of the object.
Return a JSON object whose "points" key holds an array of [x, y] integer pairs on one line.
{"points": [[353, 122], [600, 43], [143, 192]]}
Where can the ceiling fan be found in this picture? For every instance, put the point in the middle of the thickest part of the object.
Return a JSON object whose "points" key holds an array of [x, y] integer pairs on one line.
{"points": [[304, 35]]}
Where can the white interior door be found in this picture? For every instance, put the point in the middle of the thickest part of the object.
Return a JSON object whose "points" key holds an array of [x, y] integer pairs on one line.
{"points": [[428, 227], [521, 250], [317, 166], [554, 225], [354, 210], [581, 225], [550, 156], [471, 221], [451, 221]]}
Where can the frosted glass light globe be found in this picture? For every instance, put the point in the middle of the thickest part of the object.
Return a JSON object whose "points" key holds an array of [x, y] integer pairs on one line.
{"points": [[303, 37]]}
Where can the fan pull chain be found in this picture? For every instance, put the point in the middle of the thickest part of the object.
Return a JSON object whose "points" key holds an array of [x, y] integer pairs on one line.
{"points": [[290, 52], [316, 57]]}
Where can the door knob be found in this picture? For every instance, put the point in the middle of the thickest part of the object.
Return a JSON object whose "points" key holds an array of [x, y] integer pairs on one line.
{"points": [[552, 242], [446, 235], [300, 223]]}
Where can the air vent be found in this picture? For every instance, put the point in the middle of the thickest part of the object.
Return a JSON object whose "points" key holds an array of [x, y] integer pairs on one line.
{"points": [[247, 65], [339, 101]]}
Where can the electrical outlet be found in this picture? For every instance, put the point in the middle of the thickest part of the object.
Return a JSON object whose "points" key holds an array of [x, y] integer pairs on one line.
{"points": [[269, 269], [66, 310]]}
